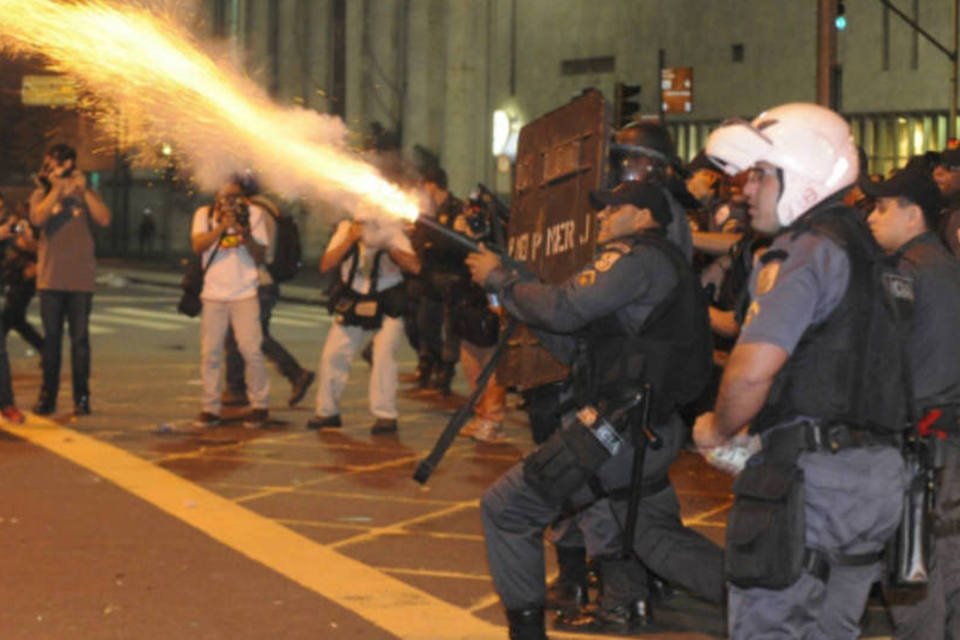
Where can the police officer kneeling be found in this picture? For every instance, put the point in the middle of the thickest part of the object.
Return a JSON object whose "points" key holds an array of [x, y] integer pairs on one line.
{"points": [[634, 316], [817, 373]]}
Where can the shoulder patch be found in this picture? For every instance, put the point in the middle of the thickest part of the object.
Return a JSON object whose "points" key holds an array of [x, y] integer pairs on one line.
{"points": [[622, 247], [606, 260], [767, 277], [587, 277]]}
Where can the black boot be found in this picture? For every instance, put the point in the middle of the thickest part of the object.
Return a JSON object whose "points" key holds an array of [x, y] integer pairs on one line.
{"points": [[568, 592], [624, 605], [526, 624], [619, 620]]}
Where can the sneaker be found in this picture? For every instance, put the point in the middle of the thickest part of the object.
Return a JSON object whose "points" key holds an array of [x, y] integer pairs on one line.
{"points": [[233, 399], [324, 422], [257, 419], [383, 426], [207, 419], [81, 406], [489, 432], [300, 386], [45, 405], [11, 414]]}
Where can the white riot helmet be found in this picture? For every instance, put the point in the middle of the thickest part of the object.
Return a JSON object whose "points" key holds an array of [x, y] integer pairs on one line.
{"points": [[810, 144]]}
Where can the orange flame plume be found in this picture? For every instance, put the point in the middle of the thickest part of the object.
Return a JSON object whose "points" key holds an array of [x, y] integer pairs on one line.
{"points": [[155, 72]]}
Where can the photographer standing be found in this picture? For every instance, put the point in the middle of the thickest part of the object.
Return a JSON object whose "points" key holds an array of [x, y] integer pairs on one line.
{"points": [[368, 302], [231, 238], [65, 209], [19, 277]]}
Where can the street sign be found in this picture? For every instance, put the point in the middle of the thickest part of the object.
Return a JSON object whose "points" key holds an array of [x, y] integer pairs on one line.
{"points": [[676, 89], [48, 91]]}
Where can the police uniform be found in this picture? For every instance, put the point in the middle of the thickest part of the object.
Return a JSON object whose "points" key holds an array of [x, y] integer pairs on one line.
{"points": [[812, 297], [934, 350], [638, 287], [441, 277]]}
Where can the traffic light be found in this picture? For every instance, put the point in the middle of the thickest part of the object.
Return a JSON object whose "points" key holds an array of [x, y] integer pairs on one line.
{"points": [[626, 103], [841, 20]]}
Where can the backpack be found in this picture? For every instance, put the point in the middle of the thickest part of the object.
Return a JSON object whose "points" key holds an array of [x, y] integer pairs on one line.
{"points": [[286, 251]]}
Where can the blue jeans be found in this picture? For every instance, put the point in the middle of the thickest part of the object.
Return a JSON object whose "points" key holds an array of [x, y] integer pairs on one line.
{"points": [[74, 307]]}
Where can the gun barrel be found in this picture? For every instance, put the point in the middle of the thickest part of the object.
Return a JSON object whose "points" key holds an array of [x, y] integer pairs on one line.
{"points": [[450, 234]]}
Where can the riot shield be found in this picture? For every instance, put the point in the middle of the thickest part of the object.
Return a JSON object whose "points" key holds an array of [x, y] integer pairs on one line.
{"points": [[561, 158]]}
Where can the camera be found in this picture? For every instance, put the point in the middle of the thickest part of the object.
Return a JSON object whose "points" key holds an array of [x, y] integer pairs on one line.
{"points": [[238, 207]]}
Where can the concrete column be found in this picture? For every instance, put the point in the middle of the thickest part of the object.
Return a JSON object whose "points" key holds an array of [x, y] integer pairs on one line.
{"points": [[317, 79], [382, 62], [291, 38], [257, 56], [467, 122], [356, 102]]}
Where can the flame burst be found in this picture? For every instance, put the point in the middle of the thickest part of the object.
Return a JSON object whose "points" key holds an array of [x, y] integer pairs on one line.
{"points": [[167, 88]]}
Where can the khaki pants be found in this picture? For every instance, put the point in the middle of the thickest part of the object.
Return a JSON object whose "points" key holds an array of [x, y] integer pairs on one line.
{"points": [[244, 317], [338, 351]]}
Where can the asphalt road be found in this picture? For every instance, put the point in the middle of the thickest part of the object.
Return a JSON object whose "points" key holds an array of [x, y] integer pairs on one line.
{"points": [[130, 523]]}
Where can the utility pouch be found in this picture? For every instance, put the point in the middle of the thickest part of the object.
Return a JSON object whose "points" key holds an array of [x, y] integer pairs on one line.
{"points": [[358, 310], [910, 552], [565, 462], [765, 531]]}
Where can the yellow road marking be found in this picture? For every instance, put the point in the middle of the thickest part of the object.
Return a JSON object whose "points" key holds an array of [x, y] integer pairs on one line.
{"points": [[401, 527], [380, 599]]}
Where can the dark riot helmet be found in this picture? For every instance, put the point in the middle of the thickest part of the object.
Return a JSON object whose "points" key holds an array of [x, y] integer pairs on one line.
{"points": [[645, 139], [641, 147]]}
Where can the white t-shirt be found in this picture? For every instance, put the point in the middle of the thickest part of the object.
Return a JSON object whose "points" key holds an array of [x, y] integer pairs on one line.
{"points": [[386, 238], [233, 274]]}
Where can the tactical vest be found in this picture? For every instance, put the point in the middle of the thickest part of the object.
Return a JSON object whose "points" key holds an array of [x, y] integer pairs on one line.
{"points": [[848, 368], [672, 350]]}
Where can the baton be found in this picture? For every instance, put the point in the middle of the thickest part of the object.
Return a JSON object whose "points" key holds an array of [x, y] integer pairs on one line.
{"points": [[427, 466]]}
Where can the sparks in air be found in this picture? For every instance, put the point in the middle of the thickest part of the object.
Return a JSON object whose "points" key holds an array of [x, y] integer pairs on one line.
{"points": [[167, 88]]}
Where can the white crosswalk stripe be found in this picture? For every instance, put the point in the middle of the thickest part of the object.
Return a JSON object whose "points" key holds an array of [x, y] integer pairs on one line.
{"points": [[106, 316], [164, 316], [95, 329]]}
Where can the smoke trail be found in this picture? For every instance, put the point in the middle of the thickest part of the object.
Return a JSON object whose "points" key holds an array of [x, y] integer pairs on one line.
{"points": [[165, 88]]}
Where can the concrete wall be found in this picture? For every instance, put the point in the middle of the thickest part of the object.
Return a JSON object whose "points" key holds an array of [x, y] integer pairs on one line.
{"points": [[437, 69]]}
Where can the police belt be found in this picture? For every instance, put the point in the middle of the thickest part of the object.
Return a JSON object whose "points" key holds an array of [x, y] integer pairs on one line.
{"points": [[788, 442], [647, 489]]}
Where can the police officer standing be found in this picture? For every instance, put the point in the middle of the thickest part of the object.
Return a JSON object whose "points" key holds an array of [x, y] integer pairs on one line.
{"points": [[632, 316], [904, 222], [816, 373]]}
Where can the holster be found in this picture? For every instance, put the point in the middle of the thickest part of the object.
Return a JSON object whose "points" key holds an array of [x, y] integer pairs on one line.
{"points": [[910, 553], [564, 463], [765, 530]]}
